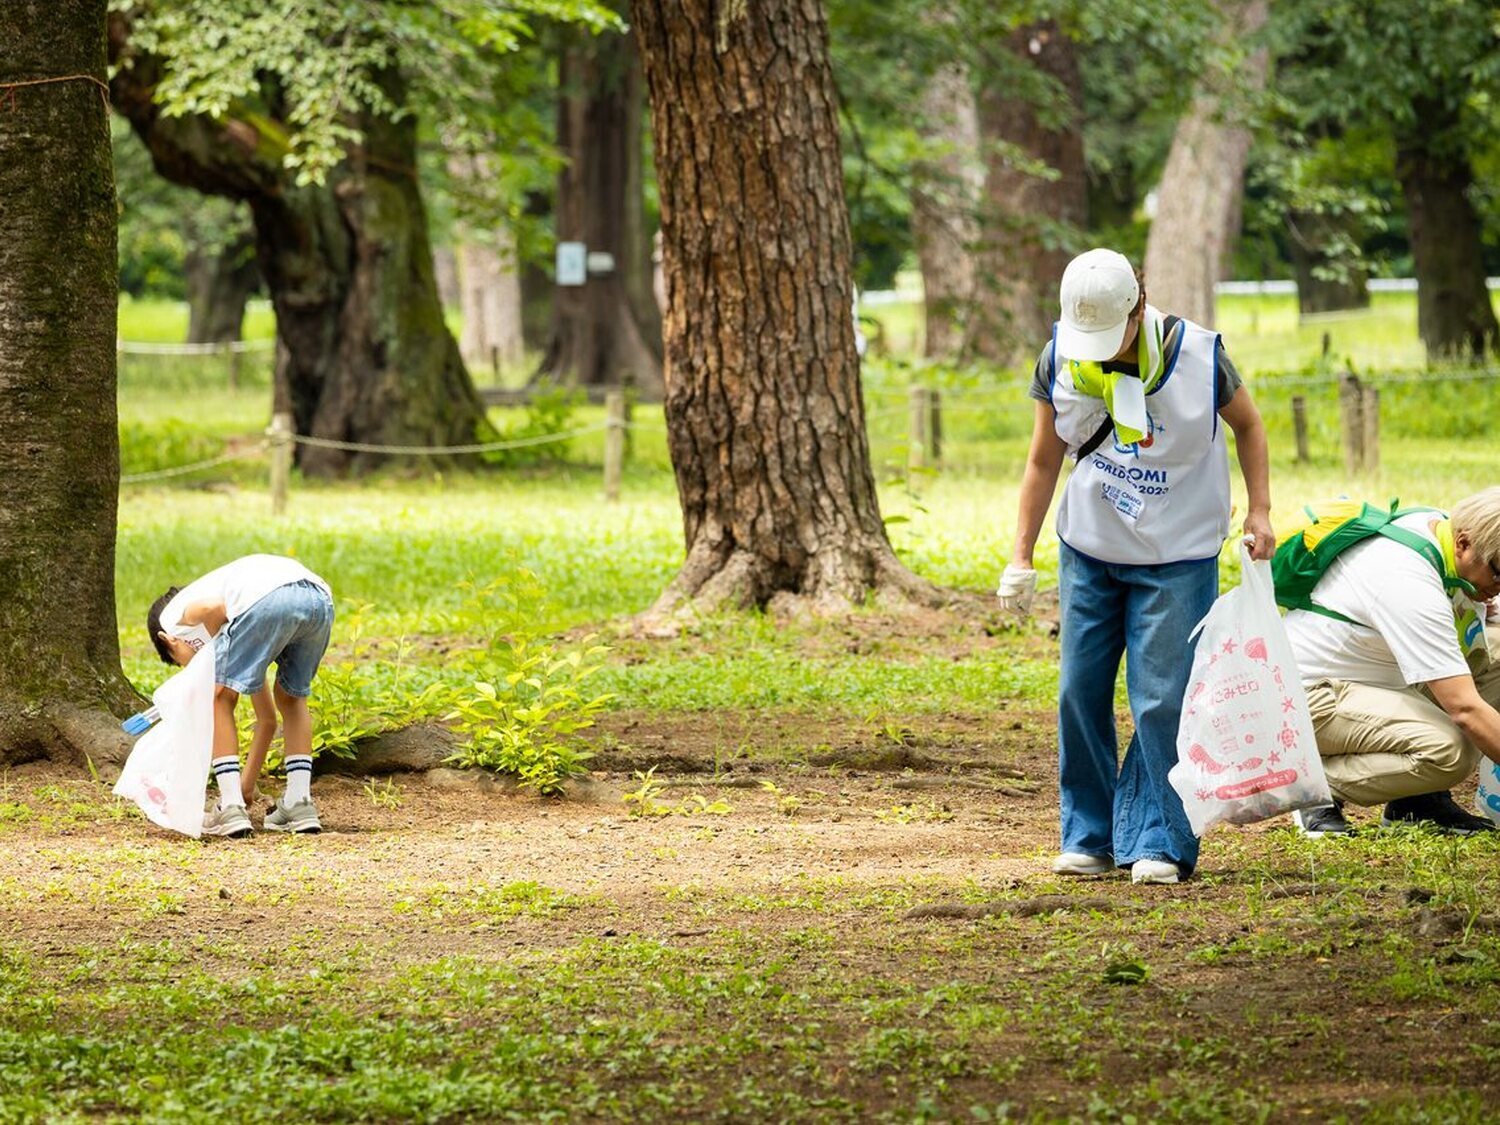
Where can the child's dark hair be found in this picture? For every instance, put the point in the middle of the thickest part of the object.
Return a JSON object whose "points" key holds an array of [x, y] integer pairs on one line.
{"points": [[153, 625]]}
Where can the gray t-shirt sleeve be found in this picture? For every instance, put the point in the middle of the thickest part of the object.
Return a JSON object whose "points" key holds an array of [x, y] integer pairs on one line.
{"points": [[1041, 377], [1227, 377]]}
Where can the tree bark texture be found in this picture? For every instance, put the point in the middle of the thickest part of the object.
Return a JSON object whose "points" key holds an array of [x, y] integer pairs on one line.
{"points": [[365, 355], [595, 338], [220, 280], [1314, 240], [60, 675], [1202, 188], [1028, 219], [1454, 313], [945, 200], [765, 414]]}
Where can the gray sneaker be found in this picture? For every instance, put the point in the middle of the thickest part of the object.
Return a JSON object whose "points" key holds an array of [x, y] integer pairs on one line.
{"points": [[301, 817], [229, 820]]}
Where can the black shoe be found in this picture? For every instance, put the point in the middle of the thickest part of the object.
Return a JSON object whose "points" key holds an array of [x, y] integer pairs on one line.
{"points": [[1324, 820], [1434, 810]]}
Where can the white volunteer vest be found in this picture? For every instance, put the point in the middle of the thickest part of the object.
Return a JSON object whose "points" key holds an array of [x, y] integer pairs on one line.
{"points": [[1165, 498]]}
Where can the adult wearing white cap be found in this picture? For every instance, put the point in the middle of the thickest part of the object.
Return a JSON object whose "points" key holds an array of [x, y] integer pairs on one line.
{"points": [[1135, 398]]}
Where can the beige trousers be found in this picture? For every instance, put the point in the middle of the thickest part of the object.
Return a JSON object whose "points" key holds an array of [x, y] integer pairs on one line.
{"points": [[1379, 744]]}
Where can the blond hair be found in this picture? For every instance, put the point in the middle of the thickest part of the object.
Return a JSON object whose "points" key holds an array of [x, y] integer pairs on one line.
{"points": [[1478, 518]]}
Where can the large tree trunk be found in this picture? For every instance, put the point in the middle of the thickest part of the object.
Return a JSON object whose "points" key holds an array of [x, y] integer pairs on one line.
{"points": [[1203, 185], [1329, 278], [1454, 313], [765, 414], [1026, 217], [365, 355], [595, 338], [945, 199], [60, 675], [220, 280]]}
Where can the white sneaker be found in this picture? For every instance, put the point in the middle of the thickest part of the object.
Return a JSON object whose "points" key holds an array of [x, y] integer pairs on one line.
{"points": [[1154, 871], [1081, 863]]}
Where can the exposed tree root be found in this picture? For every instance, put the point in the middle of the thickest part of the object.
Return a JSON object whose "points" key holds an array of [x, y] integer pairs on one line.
{"points": [[62, 733], [829, 584]]}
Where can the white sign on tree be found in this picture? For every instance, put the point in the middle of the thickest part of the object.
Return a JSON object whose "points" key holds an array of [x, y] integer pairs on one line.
{"points": [[572, 263]]}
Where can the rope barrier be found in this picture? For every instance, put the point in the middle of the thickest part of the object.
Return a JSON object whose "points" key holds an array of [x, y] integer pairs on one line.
{"points": [[142, 347], [8, 89], [447, 450], [184, 470]]}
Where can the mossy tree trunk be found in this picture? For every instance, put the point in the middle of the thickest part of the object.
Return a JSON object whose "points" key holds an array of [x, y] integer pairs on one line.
{"points": [[60, 678], [765, 414], [364, 354]]}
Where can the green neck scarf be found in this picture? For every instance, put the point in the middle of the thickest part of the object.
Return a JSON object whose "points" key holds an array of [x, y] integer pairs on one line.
{"points": [[1091, 379]]}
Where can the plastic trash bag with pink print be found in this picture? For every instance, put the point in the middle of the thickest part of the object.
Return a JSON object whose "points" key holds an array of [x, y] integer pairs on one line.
{"points": [[167, 772], [1245, 747]]}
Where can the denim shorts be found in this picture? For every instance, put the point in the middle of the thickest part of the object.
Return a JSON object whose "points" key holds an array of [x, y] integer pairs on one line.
{"points": [[288, 627]]}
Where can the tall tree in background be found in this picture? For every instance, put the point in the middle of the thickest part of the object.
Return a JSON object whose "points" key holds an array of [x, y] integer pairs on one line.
{"points": [[1036, 192], [1427, 73], [60, 671], [946, 191], [765, 413], [596, 337], [364, 354], [1198, 204]]}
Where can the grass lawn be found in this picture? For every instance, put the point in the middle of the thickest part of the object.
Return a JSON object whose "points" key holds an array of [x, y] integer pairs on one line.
{"points": [[805, 879]]}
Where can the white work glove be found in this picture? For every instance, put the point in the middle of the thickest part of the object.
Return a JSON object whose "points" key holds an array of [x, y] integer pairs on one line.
{"points": [[1017, 589]]}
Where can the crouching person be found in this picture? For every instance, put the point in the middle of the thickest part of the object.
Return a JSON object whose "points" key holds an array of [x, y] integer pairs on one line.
{"points": [[265, 609], [1395, 654]]}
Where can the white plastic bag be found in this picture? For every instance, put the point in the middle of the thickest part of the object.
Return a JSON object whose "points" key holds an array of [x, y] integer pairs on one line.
{"points": [[1245, 747], [167, 772]]}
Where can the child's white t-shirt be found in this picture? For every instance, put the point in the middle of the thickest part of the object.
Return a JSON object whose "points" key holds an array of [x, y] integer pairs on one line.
{"points": [[1397, 593], [239, 585]]}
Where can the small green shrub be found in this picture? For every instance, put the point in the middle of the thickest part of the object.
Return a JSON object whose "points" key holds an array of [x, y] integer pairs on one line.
{"points": [[164, 445], [548, 412], [521, 723]]}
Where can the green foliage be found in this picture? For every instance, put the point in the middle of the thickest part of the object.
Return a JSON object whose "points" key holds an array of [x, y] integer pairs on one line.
{"points": [[522, 725], [526, 699], [164, 445], [644, 800], [547, 413], [321, 64]]}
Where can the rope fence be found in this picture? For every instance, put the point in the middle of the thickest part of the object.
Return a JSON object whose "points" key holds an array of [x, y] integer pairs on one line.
{"points": [[924, 410], [230, 347]]}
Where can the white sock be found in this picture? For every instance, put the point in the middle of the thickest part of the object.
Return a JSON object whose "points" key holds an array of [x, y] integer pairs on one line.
{"points": [[227, 771], [298, 779]]}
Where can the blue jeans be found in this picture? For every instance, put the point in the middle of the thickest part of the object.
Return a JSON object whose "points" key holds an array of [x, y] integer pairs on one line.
{"points": [[1126, 810]]}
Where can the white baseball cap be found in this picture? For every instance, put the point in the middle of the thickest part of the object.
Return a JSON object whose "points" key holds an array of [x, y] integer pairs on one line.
{"points": [[1098, 292]]}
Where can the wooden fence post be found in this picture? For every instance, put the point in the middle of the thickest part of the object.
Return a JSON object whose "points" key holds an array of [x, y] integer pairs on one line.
{"points": [[935, 426], [234, 366], [281, 459], [614, 443], [1370, 432], [1351, 414], [919, 419], [1299, 427]]}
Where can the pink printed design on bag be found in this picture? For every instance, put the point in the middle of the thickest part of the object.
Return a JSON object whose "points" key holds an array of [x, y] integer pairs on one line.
{"points": [[1255, 649], [1273, 780]]}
